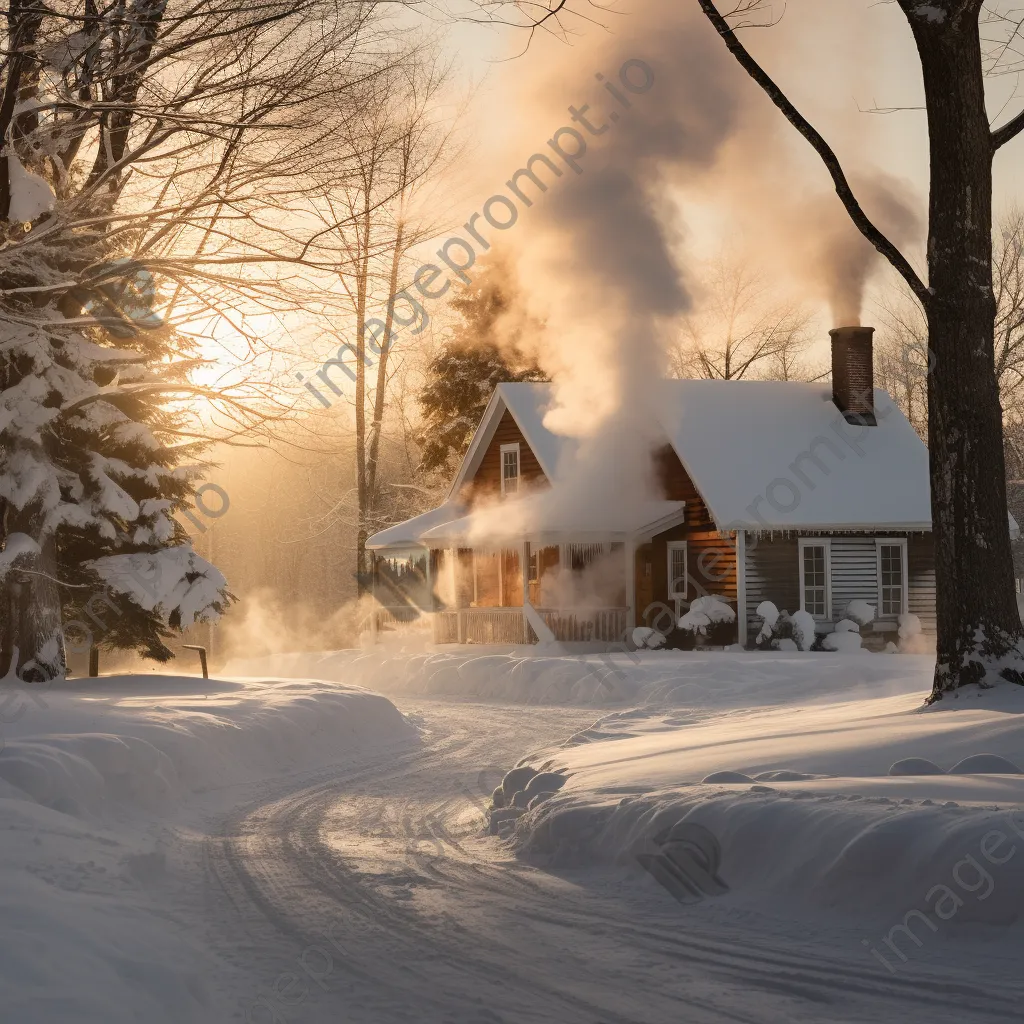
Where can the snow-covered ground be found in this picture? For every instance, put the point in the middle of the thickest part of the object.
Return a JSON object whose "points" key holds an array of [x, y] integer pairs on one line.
{"points": [[104, 784], [294, 850], [582, 677]]}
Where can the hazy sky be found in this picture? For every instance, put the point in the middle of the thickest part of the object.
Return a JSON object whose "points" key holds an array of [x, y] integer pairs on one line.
{"points": [[836, 59]]}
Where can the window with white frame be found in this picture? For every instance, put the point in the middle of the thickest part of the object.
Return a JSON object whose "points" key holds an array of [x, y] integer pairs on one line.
{"points": [[510, 468], [892, 576], [677, 569], [815, 577]]}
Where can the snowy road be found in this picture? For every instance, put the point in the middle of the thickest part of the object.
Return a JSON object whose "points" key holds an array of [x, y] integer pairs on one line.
{"points": [[370, 896]]}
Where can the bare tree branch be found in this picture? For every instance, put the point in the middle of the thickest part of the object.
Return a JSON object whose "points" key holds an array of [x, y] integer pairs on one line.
{"points": [[864, 224]]}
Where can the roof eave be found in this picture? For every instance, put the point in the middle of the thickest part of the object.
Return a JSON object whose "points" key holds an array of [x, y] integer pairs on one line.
{"points": [[484, 428], [912, 527]]}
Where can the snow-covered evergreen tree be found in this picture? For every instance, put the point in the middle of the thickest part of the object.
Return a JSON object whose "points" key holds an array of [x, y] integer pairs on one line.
{"points": [[139, 141], [90, 475], [481, 351]]}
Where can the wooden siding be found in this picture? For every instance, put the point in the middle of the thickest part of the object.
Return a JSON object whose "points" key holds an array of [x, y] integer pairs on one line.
{"points": [[854, 572], [676, 485], [710, 556], [486, 482], [773, 574], [921, 569]]}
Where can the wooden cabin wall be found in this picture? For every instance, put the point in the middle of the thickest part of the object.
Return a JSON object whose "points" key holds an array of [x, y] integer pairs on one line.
{"points": [[487, 589], [921, 572], [464, 577], [486, 482], [511, 579], [710, 567], [547, 562], [710, 556], [773, 574]]}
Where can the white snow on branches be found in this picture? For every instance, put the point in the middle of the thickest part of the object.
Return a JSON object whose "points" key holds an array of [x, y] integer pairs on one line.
{"points": [[26, 479], [31, 196], [171, 580], [861, 612], [18, 544], [111, 497]]}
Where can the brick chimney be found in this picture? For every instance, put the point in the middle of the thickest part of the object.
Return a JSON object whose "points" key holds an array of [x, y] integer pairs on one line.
{"points": [[853, 373]]}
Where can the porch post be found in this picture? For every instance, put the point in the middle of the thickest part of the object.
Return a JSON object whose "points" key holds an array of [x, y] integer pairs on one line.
{"points": [[524, 556], [460, 624], [741, 587], [630, 550]]}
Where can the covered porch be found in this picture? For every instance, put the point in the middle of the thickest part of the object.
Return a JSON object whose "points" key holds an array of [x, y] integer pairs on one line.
{"points": [[526, 571], [483, 596]]}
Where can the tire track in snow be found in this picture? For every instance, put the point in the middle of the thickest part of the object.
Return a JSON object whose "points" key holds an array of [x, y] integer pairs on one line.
{"points": [[439, 925]]}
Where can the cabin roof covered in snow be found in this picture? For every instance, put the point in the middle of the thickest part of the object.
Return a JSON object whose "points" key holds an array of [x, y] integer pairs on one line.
{"points": [[407, 534], [779, 455], [763, 455], [542, 519], [527, 404]]}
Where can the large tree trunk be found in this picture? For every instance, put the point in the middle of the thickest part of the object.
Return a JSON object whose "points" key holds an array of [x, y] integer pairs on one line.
{"points": [[978, 622], [30, 621], [979, 629], [363, 583]]}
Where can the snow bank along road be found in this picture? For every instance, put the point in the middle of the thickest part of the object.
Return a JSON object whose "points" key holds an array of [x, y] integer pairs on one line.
{"points": [[372, 896]]}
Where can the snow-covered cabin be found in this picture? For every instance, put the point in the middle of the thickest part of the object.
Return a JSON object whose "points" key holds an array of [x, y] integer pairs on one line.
{"points": [[807, 495]]}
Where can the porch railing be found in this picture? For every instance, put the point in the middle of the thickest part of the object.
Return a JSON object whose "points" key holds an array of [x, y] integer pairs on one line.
{"points": [[509, 626], [581, 624], [446, 627], [401, 619], [481, 626]]}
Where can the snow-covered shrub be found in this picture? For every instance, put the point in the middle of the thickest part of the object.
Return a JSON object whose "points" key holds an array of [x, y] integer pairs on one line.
{"points": [[775, 626], [910, 626], [844, 641], [680, 639], [803, 629], [845, 638], [769, 615], [861, 612], [645, 638], [710, 619], [911, 635]]}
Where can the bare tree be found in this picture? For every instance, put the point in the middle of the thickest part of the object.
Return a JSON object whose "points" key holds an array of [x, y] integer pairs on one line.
{"points": [[901, 356], [1008, 282], [958, 43], [401, 140], [156, 159], [979, 628], [901, 353], [739, 331]]}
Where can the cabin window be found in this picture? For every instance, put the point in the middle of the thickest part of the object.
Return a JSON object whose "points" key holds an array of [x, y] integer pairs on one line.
{"points": [[510, 468], [677, 569], [892, 577], [815, 577]]}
